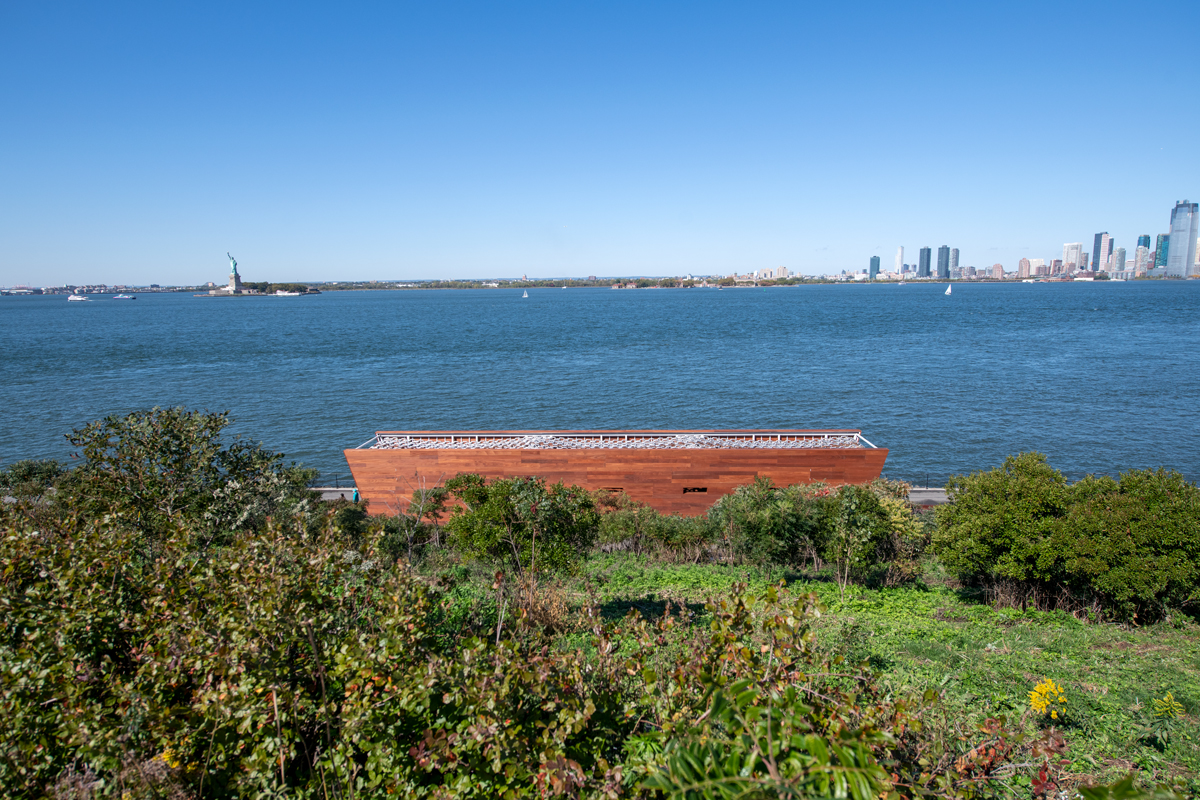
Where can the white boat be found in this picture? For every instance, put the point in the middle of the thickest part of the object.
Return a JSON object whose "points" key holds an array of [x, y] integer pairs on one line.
{"points": [[282, 293], [947, 288], [78, 298], [124, 297], [902, 283], [524, 294]]}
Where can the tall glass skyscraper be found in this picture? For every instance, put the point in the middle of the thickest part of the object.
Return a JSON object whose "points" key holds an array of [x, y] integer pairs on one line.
{"points": [[923, 267], [953, 259], [1185, 227], [1101, 250], [944, 262], [1160, 249], [1144, 241]]}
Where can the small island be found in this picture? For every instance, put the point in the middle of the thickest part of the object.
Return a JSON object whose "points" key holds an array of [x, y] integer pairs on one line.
{"points": [[235, 287]]}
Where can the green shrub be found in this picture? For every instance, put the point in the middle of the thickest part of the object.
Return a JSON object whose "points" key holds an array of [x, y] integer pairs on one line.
{"points": [[998, 524], [164, 470], [1132, 545], [761, 524], [30, 478], [521, 521]]}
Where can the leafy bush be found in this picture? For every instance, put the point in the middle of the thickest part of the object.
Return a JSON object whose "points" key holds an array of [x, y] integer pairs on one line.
{"points": [[163, 470], [998, 524], [521, 521], [629, 526], [30, 478], [762, 524], [1132, 545]]}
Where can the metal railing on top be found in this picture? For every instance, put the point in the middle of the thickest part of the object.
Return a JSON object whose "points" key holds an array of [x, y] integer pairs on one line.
{"points": [[455, 437]]}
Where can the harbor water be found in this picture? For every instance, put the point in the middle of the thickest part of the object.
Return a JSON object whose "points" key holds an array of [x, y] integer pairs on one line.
{"points": [[1098, 376]]}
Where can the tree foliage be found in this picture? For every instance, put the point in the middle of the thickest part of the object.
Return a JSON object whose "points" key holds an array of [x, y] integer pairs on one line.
{"points": [[521, 521], [168, 469], [1132, 545]]}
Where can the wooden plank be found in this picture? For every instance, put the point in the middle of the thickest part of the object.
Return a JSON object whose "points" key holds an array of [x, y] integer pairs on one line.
{"points": [[387, 478]]}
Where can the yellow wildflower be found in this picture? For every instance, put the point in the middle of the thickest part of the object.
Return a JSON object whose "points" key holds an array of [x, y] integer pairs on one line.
{"points": [[1045, 696], [1168, 707]]}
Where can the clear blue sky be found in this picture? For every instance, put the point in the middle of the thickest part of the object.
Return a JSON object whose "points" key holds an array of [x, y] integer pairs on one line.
{"points": [[142, 141]]}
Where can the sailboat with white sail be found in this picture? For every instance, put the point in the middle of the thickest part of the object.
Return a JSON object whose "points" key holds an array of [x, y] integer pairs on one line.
{"points": [[947, 288]]}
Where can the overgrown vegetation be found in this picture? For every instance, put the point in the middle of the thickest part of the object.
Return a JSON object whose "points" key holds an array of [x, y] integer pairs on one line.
{"points": [[179, 617], [1127, 549]]}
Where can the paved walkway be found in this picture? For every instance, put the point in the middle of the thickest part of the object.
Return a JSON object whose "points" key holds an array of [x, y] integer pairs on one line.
{"points": [[329, 493], [927, 497]]}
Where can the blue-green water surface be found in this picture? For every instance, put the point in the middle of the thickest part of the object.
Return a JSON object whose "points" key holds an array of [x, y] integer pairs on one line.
{"points": [[1099, 376]]}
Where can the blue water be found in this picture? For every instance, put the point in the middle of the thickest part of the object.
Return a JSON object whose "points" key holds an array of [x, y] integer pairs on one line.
{"points": [[1100, 376]]}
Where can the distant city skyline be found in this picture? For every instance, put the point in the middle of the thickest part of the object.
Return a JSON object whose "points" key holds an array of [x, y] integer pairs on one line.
{"points": [[469, 141]]}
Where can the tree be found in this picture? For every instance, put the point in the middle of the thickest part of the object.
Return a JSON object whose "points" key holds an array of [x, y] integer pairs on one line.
{"points": [[522, 521], [859, 530], [168, 469]]}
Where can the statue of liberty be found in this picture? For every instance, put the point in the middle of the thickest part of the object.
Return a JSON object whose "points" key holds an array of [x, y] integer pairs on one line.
{"points": [[232, 264]]}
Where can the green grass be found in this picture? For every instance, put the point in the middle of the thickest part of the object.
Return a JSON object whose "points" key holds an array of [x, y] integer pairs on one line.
{"points": [[982, 660]]}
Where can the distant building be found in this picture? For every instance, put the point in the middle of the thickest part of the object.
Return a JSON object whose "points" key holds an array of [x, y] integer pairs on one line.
{"points": [[901, 267], [1101, 250], [1160, 249], [943, 262], [1116, 263], [1072, 252], [923, 267], [1023, 268], [1185, 226], [953, 259], [998, 271], [1141, 257], [1144, 241], [874, 267]]}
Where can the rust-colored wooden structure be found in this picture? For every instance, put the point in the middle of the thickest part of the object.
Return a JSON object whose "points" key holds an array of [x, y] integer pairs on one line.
{"points": [[672, 480]]}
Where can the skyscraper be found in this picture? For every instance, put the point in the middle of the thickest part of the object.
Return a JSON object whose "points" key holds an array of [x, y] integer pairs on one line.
{"points": [[1185, 226], [1141, 257], [923, 266], [943, 262], [1160, 249], [1117, 262], [1144, 241], [900, 260], [953, 259], [1072, 253], [1023, 268], [998, 271], [1101, 250], [874, 267]]}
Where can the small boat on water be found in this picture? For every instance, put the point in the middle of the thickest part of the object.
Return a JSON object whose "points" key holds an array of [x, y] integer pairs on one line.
{"points": [[524, 294], [947, 288], [78, 298], [124, 297], [902, 283]]}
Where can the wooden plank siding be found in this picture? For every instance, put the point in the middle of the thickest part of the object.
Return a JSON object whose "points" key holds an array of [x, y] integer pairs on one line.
{"points": [[657, 477]]}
